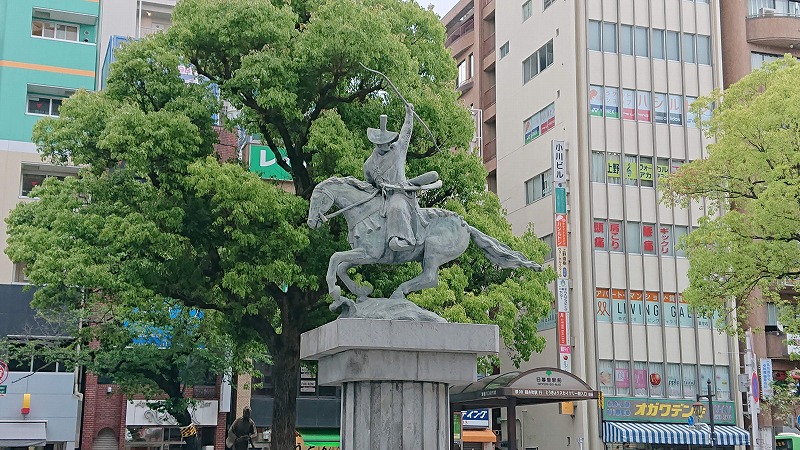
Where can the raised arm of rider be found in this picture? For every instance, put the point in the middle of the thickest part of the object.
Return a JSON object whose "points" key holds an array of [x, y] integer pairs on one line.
{"points": [[405, 132]]}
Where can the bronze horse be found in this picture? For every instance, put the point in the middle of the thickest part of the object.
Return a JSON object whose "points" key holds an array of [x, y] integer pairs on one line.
{"points": [[443, 237]]}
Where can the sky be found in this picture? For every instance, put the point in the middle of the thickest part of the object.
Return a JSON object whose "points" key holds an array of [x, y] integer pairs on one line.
{"points": [[441, 7]]}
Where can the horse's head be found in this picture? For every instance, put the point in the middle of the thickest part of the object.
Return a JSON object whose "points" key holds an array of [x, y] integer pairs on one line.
{"points": [[321, 202]]}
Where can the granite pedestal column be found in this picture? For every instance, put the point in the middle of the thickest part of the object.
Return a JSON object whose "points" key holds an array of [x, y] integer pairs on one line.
{"points": [[395, 376]]}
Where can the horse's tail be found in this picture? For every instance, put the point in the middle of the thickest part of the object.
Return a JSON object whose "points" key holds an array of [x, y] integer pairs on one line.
{"points": [[499, 253]]}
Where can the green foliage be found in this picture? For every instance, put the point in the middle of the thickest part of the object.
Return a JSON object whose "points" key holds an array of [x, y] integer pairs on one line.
{"points": [[784, 400], [155, 219], [751, 175]]}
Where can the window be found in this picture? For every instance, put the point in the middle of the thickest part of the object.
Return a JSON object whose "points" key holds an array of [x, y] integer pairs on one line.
{"points": [[594, 36], [540, 123], [537, 62], [634, 238], [703, 50], [547, 3], [609, 37], [599, 167], [655, 378], [606, 377], [613, 168], [54, 30], [658, 44], [660, 108], [19, 273], [673, 46], [722, 383], [628, 104], [674, 381], [34, 175], [462, 73], [471, 67], [622, 377], [689, 381], [641, 43], [675, 109], [42, 105], [631, 170], [551, 243], [615, 236], [504, 50], [759, 59], [640, 379], [646, 171], [649, 238], [527, 10], [688, 48], [539, 186], [680, 232], [772, 318], [626, 39]]}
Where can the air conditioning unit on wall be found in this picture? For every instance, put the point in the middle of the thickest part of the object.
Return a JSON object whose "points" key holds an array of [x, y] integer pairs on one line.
{"points": [[766, 12]]}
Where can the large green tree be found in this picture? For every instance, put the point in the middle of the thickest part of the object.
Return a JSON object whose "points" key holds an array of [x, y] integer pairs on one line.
{"points": [[156, 216], [743, 255]]}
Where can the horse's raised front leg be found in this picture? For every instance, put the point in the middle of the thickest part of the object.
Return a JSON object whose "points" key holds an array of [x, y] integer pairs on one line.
{"points": [[339, 263], [427, 279]]}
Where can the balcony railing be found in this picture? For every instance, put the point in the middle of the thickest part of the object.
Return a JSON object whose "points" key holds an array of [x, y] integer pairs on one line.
{"points": [[490, 97], [465, 28], [488, 45], [489, 150]]}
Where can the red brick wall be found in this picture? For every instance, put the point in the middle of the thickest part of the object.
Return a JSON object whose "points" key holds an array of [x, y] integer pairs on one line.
{"points": [[228, 146], [103, 410]]}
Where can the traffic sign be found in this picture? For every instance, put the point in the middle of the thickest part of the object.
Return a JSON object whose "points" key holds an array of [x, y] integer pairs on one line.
{"points": [[3, 371], [2, 390], [690, 420], [756, 393]]}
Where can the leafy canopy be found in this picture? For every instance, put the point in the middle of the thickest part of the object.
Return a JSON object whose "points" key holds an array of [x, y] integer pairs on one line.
{"points": [[752, 176], [156, 218]]}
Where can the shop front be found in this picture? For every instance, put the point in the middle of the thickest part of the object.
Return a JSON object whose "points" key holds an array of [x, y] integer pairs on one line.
{"points": [[537, 386], [476, 432], [147, 429], [664, 424]]}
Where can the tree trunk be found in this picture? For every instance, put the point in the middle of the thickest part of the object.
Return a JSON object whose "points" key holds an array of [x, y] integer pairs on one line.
{"points": [[285, 376], [184, 419]]}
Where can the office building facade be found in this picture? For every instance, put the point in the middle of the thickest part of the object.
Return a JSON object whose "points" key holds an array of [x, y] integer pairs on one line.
{"points": [[591, 110]]}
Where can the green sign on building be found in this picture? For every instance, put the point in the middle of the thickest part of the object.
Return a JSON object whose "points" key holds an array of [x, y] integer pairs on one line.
{"points": [[262, 162]]}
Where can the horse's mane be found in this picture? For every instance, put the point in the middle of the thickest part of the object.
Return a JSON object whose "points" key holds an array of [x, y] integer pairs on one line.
{"points": [[350, 181]]}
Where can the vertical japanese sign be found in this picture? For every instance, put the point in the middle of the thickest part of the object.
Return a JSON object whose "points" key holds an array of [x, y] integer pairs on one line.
{"points": [[628, 104], [596, 97], [612, 102], [643, 106], [660, 107], [562, 254], [602, 299]]}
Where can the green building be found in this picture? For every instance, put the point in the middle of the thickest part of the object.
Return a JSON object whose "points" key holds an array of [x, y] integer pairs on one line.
{"points": [[47, 52]]}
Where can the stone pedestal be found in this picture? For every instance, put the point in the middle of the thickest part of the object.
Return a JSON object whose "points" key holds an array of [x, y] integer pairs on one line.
{"points": [[395, 376]]}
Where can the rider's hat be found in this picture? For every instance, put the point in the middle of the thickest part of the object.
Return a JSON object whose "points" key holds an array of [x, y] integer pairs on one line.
{"points": [[381, 136]]}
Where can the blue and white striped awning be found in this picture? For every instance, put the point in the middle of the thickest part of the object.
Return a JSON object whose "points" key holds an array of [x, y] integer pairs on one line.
{"points": [[672, 433]]}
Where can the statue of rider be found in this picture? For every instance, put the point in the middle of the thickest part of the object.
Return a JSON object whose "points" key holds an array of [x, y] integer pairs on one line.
{"points": [[386, 170]]}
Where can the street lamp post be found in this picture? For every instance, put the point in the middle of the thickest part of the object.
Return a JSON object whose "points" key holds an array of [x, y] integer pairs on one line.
{"points": [[698, 408]]}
